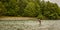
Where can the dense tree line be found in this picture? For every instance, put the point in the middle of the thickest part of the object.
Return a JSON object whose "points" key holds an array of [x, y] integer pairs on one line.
{"points": [[30, 8]]}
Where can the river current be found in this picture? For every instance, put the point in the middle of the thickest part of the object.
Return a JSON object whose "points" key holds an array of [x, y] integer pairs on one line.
{"points": [[30, 25]]}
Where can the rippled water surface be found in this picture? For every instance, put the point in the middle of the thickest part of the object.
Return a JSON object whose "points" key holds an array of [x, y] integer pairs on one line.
{"points": [[30, 25]]}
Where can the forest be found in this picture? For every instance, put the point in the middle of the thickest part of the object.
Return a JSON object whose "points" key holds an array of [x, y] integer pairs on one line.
{"points": [[30, 8]]}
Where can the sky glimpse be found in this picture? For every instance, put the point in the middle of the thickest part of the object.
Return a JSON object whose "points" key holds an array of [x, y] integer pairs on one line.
{"points": [[54, 1]]}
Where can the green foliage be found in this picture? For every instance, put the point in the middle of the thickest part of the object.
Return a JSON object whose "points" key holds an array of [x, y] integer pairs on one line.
{"points": [[40, 17], [49, 10], [30, 8], [2, 9]]}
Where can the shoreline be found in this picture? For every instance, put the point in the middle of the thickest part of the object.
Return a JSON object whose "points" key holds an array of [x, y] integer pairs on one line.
{"points": [[18, 18]]}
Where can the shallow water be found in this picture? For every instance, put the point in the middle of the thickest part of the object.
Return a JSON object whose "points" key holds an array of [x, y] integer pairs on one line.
{"points": [[30, 25]]}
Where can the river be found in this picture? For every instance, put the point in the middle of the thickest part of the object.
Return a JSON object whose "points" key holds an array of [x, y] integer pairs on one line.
{"points": [[30, 25]]}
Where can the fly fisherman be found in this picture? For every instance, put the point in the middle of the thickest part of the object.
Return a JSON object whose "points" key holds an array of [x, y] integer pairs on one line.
{"points": [[39, 21]]}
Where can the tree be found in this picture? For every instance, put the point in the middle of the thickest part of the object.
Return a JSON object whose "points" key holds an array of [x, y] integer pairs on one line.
{"points": [[31, 9], [22, 4], [2, 9]]}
